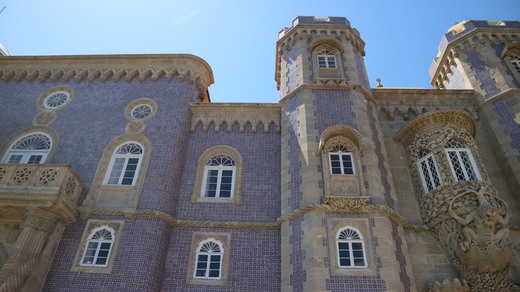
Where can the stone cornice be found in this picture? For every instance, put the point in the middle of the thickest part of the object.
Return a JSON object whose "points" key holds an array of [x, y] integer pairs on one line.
{"points": [[235, 113], [410, 102], [460, 119], [359, 88], [108, 67]]}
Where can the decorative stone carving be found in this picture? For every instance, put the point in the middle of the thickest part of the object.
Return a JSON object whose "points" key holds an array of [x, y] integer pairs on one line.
{"points": [[450, 286], [44, 118]]}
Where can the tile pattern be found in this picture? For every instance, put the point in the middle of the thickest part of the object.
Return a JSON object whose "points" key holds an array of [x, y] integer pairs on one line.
{"points": [[482, 74], [291, 108], [138, 248], [455, 81], [254, 261], [290, 59], [360, 69], [364, 283], [334, 107], [299, 275], [260, 178], [385, 181], [510, 126]]}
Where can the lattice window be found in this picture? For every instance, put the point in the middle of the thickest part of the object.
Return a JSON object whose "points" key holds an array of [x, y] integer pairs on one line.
{"points": [[341, 161], [209, 260], [461, 162], [351, 250], [125, 164], [429, 172], [515, 61], [326, 59], [219, 176], [32, 148], [98, 248]]}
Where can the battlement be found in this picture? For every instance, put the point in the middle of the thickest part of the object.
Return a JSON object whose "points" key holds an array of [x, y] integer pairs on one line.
{"points": [[311, 20]]}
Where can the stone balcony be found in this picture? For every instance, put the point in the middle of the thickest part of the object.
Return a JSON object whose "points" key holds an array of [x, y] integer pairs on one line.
{"points": [[54, 187]]}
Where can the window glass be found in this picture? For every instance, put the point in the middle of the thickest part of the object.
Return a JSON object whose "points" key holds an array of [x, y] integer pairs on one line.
{"points": [[219, 177], [32, 148], [209, 260], [125, 164], [351, 252]]}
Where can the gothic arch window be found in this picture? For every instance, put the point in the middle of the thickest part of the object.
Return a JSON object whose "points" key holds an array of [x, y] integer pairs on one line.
{"points": [[219, 176], [208, 264], [326, 59], [98, 247], [462, 164], [124, 165], [429, 171], [341, 160], [350, 248], [31, 148]]}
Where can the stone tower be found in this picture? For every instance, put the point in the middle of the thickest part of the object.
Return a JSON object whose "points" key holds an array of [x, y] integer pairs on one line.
{"points": [[485, 56], [336, 184]]}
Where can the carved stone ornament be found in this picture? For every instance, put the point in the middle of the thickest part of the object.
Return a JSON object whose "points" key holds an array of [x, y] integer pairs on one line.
{"points": [[44, 118], [134, 127], [470, 221], [348, 204]]}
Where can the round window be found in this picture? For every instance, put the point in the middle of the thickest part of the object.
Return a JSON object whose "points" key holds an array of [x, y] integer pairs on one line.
{"points": [[142, 111], [56, 100]]}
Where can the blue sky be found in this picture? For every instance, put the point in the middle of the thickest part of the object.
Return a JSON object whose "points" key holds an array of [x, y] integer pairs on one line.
{"points": [[237, 38]]}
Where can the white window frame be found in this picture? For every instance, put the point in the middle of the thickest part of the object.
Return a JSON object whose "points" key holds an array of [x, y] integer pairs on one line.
{"points": [[27, 156], [458, 152], [341, 154], [326, 58], [220, 170], [110, 174], [515, 62], [429, 160], [350, 242], [97, 249], [210, 255]]}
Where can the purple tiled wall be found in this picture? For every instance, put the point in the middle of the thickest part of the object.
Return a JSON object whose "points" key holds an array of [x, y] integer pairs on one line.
{"points": [[292, 69], [456, 81], [260, 177], [254, 261], [482, 74], [334, 107], [139, 263], [360, 69], [96, 116]]}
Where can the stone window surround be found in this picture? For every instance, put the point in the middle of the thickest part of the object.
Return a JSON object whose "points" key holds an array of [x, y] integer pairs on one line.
{"points": [[9, 142], [117, 226], [431, 132], [350, 139], [361, 239], [126, 157], [360, 225], [335, 48], [512, 49], [199, 176], [98, 189], [140, 101], [197, 238], [43, 97]]}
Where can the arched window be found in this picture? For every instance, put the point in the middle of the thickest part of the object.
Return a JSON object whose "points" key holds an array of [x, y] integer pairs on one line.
{"points": [[124, 165], [341, 160], [326, 59], [219, 176], [429, 171], [32, 148], [461, 161], [515, 61], [98, 248], [351, 249], [209, 260]]}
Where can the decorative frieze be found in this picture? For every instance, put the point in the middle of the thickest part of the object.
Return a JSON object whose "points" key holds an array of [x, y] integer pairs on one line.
{"points": [[106, 67], [238, 113]]}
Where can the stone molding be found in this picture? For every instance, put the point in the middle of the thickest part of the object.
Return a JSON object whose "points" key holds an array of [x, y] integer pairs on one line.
{"points": [[235, 113], [459, 119], [41, 185], [109, 67]]}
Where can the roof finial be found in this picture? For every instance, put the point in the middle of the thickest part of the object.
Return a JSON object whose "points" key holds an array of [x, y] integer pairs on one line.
{"points": [[379, 84]]}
